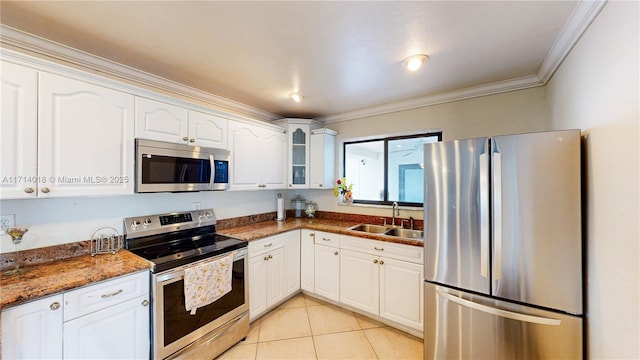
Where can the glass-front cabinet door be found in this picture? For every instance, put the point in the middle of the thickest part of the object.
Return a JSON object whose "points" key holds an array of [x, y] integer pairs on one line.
{"points": [[298, 156]]}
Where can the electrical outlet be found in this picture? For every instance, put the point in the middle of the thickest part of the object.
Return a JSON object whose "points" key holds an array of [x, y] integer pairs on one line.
{"points": [[7, 221]]}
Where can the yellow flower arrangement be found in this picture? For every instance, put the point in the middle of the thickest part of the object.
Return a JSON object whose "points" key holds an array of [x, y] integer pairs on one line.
{"points": [[342, 188]]}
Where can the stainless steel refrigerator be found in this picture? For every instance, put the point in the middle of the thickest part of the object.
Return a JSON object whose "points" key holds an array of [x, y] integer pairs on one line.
{"points": [[503, 247]]}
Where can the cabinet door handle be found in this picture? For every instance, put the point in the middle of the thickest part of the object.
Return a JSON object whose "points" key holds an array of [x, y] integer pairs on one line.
{"points": [[266, 258], [375, 261], [313, 235], [192, 140], [379, 249], [29, 190], [145, 302], [270, 256], [54, 306], [320, 185], [269, 244], [185, 138], [104, 296], [381, 262], [335, 253], [45, 190]]}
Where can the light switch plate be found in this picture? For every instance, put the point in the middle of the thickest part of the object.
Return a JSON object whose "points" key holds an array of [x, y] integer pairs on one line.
{"points": [[7, 221]]}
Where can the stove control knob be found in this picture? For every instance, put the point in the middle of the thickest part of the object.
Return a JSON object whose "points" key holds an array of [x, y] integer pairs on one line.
{"points": [[201, 215], [209, 214], [135, 224], [146, 222]]}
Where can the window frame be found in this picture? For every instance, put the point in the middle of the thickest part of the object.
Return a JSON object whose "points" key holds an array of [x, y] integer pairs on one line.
{"points": [[386, 140]]}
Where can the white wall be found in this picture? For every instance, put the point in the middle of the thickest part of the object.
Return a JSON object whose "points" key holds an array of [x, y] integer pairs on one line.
{"points": [[65, 220], [508, 113], [596, 90]]}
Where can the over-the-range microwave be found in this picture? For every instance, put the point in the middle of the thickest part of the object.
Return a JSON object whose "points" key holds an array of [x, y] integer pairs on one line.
{"points": [[169, 167]]}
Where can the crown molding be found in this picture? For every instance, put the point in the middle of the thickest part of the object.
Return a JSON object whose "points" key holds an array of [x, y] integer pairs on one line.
{"points": [[35, 44], [583, 15], [463, 94]]}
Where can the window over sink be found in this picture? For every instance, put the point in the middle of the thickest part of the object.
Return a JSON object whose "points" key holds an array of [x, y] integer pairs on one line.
{"points": [[388, 169]]}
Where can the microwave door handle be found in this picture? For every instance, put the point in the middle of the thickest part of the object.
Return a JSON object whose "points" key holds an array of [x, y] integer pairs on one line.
{"points": [[212, 178]]}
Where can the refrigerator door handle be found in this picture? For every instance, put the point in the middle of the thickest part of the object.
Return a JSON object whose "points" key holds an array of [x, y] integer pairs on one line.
{"points": [[499, 312], [484, 214], [496, 169]]}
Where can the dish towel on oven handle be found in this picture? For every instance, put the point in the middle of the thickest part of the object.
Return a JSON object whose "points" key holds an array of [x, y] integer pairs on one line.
{"points": [[207, 282]]}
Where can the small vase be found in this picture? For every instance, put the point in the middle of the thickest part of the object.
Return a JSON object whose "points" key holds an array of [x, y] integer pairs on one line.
{"points": [[345, 199]]}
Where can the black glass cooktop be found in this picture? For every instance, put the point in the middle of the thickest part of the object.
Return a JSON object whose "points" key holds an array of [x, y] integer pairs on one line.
{"points": [[175, 249]]}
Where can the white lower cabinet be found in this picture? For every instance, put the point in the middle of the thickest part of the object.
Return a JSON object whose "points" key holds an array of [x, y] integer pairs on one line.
{"points": [[327, 265], [402, 292], [292, 262], [108, 320], [274, 271], [359, 281], [383, 279], [118, 332], [33, 330], [307, 282]]}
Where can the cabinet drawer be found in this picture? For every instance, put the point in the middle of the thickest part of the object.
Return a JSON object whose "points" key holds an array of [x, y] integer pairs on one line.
{"points": [[100, 296], [259, 247], [327, 239], [403, 252]]}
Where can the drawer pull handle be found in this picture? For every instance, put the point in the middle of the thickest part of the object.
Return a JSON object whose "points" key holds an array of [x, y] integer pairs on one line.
{"points": [[269, 244], [54, 306], [379, 249], [112, 294], [145, 302], [312, 235], [325, 239], [335, 253]]}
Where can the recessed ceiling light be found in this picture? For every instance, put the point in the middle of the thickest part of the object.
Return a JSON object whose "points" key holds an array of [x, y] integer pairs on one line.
{"points": [[415, 62], [297, 97]]}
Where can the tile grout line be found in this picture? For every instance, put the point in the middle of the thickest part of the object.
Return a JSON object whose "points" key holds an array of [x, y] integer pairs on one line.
{"points": [[313, 340]]}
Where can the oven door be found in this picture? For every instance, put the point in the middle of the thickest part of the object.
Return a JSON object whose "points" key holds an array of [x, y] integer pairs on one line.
{"points": [[174, 327]]}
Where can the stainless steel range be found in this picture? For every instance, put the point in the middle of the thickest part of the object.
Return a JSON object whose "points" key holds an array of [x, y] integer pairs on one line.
{"points": [[174, 242]]}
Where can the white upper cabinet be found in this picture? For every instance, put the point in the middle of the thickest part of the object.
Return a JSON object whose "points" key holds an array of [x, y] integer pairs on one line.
{"points": [[207, 130], [156, 120], [322, 159], [85, 138], [311, 154], [63, 137], [258, 156], [18, 135], [298, 169]]}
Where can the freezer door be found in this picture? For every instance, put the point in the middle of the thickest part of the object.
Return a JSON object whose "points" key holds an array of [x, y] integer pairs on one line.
{"points": [[456, 210], [460, 325], [537, 246]]}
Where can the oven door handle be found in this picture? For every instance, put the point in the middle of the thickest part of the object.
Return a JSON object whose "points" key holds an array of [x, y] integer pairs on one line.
{"points": [[178, 273]]}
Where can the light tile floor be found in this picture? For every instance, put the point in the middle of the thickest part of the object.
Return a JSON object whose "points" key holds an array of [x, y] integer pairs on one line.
{"points": [[306, 328]]}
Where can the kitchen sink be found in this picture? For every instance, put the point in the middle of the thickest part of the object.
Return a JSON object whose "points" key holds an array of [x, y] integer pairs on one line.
{"points": [[390, 231], [405, 233], [370, 228]]}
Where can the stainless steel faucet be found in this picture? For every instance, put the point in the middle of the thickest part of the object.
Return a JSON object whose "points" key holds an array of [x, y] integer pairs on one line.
{"points": [[395, 211]]}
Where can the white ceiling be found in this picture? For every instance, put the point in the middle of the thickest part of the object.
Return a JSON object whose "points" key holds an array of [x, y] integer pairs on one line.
{"points": [[342, 56]]}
